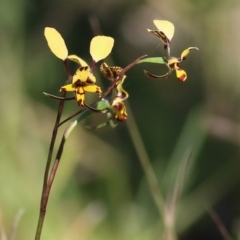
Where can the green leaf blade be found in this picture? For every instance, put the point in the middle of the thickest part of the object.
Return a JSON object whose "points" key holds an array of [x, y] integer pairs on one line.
{"points": [[158, 60]]}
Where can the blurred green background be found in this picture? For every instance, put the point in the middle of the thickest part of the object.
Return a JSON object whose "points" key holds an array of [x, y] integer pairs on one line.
{"points": [[100, 191]]}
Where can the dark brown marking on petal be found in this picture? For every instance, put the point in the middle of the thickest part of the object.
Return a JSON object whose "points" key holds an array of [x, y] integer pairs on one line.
{"points": [[108, 73], [83, 68], [124, 118], [80, 91], [105, 70], [89, 80], [77, 83], [182, 78], [162, 36], [80, 102], [121, 114], [98, 90]]}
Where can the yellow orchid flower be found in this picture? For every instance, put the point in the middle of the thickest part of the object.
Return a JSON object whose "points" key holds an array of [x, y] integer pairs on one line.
{"points": [[173, 63], [120, 112], [119, 94], [83, 81]]}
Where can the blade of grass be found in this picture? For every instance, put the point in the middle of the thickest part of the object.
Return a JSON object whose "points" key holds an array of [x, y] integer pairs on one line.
{"points": [[219, 224], [146, 164], [174, 195]]}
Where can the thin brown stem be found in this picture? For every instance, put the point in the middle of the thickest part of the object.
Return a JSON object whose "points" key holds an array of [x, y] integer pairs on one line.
{"points": [[72, 116], [67, 68], [52, 176], [57, 97], [46, 193], [46, 173]]}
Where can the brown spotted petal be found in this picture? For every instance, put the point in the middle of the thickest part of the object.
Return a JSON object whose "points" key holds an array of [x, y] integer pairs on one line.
{"points": [[160, 35], [120, 112], [150, 75], [110, 72], [165, 31]]}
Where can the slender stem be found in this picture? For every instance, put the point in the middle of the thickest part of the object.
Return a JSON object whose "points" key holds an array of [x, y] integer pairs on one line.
{"points": [[67, 68], [224, 232], [52, 176], [46, 173], [45, 196], [72, 116], [15, 224], [54, 135], [58, 98]]}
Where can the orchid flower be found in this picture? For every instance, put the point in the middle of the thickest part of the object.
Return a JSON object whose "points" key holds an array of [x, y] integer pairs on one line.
{"points": [[165, 32], [118, 94], [83, 80], [173, 64]]}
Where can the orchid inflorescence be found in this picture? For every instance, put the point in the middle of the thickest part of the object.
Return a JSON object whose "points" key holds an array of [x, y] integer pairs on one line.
{"points": [[83, 81], [100, 47], [165, 32]]}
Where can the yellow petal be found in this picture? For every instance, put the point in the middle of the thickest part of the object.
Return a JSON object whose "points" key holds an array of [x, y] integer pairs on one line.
{"points": [[172, 60], [121, 112], [56, 43], [78, 60], [100, 47], [80, 96], [166, 27], [67, 88], [92, 88], [186, 52], [120, 97], [181, 74], [83, 75]]}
